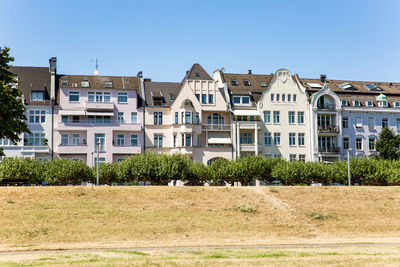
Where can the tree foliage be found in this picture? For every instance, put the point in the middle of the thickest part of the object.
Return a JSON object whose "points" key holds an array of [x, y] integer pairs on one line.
{"points": [[12, 117], [388, 144]]}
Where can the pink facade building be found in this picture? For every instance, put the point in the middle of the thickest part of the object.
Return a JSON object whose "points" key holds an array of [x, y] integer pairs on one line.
{"points": [[98, 108]]}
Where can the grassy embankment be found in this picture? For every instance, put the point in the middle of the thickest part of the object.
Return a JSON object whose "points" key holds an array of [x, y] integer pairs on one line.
{"points": [[117, 217]]}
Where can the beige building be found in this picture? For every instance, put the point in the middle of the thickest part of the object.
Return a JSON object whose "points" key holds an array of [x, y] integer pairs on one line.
{"points": [[191, 118]]}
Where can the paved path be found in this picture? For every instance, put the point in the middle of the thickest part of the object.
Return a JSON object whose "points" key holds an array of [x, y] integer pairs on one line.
{"points": [[2, 253]]}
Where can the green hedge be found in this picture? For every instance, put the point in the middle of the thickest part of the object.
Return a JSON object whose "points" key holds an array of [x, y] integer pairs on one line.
{"points": [[161, 169]]}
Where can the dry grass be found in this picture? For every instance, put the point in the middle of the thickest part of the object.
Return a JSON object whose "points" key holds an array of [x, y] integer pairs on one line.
{"points": [[340, 256], [78, 217]]}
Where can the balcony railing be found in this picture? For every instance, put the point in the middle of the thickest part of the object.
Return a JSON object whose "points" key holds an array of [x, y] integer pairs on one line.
{"points": [[328, 129], [99, 105], [69, 145], [329, 149], [219, 127], [327, 106], [91, 122]]}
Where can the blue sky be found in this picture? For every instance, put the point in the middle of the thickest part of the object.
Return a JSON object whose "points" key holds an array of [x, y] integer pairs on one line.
{"points": [[355, 40]]}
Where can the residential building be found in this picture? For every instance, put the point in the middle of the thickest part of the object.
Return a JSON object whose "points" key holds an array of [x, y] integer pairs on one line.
{"points": [[94, 109]]}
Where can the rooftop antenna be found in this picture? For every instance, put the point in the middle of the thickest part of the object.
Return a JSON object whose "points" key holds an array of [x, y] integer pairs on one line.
{"points": [[96, 72]]}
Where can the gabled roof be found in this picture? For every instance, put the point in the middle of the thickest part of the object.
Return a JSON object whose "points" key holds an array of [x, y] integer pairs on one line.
{"points": [[255, 89], [163, 89], [197, 72], [31, 79], [98, 82]]}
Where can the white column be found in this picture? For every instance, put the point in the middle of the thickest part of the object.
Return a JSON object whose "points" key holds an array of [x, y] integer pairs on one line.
{"points": [[256, 138], [238, 138]]}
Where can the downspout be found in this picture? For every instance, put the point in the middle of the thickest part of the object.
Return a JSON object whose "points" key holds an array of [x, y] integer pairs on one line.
{"points": [[53, 71], [143, 96]]}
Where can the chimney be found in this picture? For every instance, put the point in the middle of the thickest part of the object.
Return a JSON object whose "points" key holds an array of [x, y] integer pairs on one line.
{"points": [[147, 80], [187, 72], [53, 70], [249, 72], [322, 77], [390, 84]]}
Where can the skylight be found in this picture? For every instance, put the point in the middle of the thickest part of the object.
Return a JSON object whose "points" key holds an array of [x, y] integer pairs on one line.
{"points": [[347, 86], [314, 85], [263, 84], [372, 87], [234, 82]]}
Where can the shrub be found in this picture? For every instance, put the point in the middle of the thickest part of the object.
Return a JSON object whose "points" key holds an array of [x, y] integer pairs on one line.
{"points": [[219, 172], [22, 169], [107, 173], [64, 172]]}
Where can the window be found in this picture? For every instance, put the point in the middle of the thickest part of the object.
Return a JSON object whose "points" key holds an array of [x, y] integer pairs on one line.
{"points": [[176, 118], [371, 122], [345, 143], [372, 87], [134, 139], [188, 140], [6, 142], [371, 144], [300, 117], [370, 103], [345, 122], [236, 99], [37, 95], [76, 119], [272, 97], [398, 123], [120, 117], [197, 118], [292, 157], [385, 122], [64, 139], [277, 97], [133, 117], [294, 98], [277, 139], [174, 140], [283, 97], [277, 117], [99, 97], [246, 138], [263, 84], [64, 83], [73, 96], [158, 140], [359, 143], [245, 100], [301, 139], [383, 103], [187, 117], [246, 82], [84, 84], [302, 157], [36, 139], [122, 97], [241, 100], [203, 98], [120, 140], [344, 102], [108, 84], [197, 74], [102, 138], [101, 160], [288, 97], [267, 139], [234, 82], [346, 86], [358, 122], [76, 139], [99, 119], [155, 117], [171, 97], [396, 104], [356, 103], [64, 119], [292, 119], [37, 116], [157, 100], [210, 99], [160, 117], [292, 139], [267, 116], [198, 97]]}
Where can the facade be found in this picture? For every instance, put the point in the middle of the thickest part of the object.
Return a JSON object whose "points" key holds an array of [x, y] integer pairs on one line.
{"points": [[190, 118], [35, 85], [94, 109]]}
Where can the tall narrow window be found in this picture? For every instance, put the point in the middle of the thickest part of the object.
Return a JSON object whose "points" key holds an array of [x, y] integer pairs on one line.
{"points": [[277, 119], [102, 138], [176, 118], [133, 117], [292, 139], [292, 119], [288, 97], [359, 143], [345, 143], [283, 97], [301, 139], [155, 118], [277, 97], [277, 139], [160, 117], [272, 97], [120, 117], [300, 117], [187, 117], [188, 140], [203, 98], [64, 139], [385, 122], [210, 99], [345, 122], [371, 144], [134, 139], [75, 139], [267, 116], [197, 118], [267, 139], [120, 139], [294, 98]]}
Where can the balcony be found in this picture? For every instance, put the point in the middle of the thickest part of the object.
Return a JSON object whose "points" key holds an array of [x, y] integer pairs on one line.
{"points": [[327, 106], [83, 124], [185, 128], [328, 129], [334, 150], [99, 106], [248, 124], [216, 127], [72, 149], [126, 149], [249, 148]]}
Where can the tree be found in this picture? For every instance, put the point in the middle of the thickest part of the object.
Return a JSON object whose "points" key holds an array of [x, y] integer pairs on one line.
{"points": [[388, 144], [12, 117]]}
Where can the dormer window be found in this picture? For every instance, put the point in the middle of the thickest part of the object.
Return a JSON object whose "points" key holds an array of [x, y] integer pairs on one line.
{"points": [[241, 100], [84, 84], [344, 102], [382, 104], [197, 75], [246, 82], [108, 84], [314, 85], [263, 84], [234, 82], [369, 103], [157, 100], [396, 104], [372, 87], [64, 83], [37, 95], [171, 97], [347, 86], [356, 103]]}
